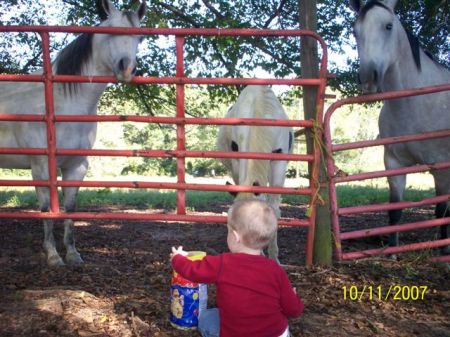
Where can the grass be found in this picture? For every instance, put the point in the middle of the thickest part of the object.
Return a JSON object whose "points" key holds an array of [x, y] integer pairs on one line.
{"points": [[150, 199], [364, 195], [106, 197]]}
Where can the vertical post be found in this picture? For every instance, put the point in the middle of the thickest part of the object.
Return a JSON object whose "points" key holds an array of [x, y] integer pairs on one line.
{"points": [[332, 186], [181, 139], [50, 121], [313, 108]]}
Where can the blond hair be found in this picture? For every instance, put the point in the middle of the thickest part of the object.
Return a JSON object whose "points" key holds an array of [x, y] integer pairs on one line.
{"points": [[254, 220]]}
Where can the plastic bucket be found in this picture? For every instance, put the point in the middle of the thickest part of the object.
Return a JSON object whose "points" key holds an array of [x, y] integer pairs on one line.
{"points": [[187, 298]]}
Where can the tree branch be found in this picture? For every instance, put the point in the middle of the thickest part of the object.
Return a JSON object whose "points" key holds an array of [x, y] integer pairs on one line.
{"points": [[274, 15], [78, 5], [180, 14], [144, 101], [276, 57], [186, 18], [213, 9]]}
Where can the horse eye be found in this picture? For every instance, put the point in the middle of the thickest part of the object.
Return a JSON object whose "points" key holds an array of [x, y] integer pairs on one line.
{"points": [[389, 26]]}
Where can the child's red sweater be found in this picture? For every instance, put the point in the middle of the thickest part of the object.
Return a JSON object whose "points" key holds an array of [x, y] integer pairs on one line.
{"points": [[253, 293]]}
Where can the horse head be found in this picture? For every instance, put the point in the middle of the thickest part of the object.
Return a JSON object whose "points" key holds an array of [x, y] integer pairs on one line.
{"points": [[249, 172], [118, 52], [377, 33]]}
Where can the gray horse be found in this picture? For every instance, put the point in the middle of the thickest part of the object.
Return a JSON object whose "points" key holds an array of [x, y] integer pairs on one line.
{"points": [[257, 101], [88, 55], [391, 59]]}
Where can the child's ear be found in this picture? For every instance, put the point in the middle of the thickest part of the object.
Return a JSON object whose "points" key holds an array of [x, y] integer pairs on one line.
{"points": [[236, 236]]}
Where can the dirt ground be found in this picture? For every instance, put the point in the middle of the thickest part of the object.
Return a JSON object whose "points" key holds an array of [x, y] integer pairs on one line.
{"points": [[123, 287]]}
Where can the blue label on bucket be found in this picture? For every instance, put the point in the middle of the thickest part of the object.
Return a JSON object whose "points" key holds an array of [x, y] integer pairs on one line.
{"points": [[184, 306]]}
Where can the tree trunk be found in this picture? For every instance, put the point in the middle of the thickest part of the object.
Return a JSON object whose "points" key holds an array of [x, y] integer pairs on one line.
{"points": [[310, 69]]}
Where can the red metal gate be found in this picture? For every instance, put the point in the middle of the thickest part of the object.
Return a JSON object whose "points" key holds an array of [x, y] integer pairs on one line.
{"points": [[180, 120], [334, 179]]}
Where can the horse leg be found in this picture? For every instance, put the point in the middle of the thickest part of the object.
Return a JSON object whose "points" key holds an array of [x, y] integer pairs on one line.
{"points": [[76, 172], [276, 179], [73, 172], [53, 258], [442, 184], [397, 186], [396, 190], [442, 210], [39, 171]]}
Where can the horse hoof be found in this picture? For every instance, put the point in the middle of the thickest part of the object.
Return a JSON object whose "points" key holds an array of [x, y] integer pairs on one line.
{"points": [[74, 259], [55, 261]]}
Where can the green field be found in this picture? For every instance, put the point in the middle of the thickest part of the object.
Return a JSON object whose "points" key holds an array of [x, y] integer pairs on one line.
{"points": [[151, 199]]}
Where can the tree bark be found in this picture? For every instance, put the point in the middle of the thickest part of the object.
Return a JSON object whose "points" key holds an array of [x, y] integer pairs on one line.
{"points": [[310, 69]]}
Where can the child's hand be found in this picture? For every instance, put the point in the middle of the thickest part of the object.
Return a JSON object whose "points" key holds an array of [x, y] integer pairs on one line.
{"points": [[178, 251], [295, 290]]}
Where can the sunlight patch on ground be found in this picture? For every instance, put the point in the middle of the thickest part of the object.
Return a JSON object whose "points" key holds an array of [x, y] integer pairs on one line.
{"points": [[110, 226], [82, 223]]}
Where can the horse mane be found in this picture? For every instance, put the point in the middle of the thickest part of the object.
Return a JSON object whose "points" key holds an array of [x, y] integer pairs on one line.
{"points": [[71, 59], [415, 48], [74, 57], [369, 5]]}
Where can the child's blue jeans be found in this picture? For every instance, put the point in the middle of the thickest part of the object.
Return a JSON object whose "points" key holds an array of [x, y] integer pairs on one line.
{"points": [[209, 323]]}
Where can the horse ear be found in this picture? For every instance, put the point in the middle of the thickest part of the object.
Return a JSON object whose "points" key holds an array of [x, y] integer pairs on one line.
{"points": [[104, 8], [390, 3], [355, 5], [142, 9]]}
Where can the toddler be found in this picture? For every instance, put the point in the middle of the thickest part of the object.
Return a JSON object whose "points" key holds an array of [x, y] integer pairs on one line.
{"points": [[253, 293]]}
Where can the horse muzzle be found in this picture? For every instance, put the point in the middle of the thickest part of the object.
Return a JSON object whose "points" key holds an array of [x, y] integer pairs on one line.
{"points": [[369, 88], [369, 79], [369, 82], [125, 70]]}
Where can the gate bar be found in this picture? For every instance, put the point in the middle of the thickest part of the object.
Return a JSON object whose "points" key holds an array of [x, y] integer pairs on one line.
{"points": [[50, 123], [330, 148], [137, 216], [180, 153], [393, 205], [393, 229], [161, 185], [181, 138], [159, 120], [217, 32], [397, 249], [163, 80], [392, 140], [393, 172], [158, 153]]}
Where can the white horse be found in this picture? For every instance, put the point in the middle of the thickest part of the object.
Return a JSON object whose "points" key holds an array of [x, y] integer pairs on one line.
{"points": [[87, 55], [257, 102], [391, 59]]}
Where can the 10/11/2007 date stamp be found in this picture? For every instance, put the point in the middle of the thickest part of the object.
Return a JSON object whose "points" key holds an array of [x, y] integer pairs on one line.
{"points": [[384, 293]]}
